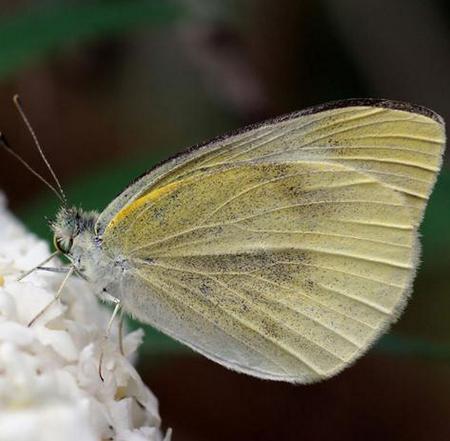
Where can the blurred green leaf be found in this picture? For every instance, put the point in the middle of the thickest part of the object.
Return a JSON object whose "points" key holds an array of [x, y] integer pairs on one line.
{"points": [[108, 182], [36, 32], [156, 343], [435, 228], [413, 347]]}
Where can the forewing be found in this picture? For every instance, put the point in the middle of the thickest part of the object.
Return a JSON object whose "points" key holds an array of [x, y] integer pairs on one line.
{"points": [[401, 145], [283, 271]]}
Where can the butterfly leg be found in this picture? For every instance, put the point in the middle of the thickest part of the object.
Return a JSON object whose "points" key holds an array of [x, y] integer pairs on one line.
{"points": [[52, 269], [27, 273], [62, 270], [58, 295], [121, 320], [106, 335]]}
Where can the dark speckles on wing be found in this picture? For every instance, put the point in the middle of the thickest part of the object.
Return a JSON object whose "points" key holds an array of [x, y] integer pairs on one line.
{"points": [[287, 257]]}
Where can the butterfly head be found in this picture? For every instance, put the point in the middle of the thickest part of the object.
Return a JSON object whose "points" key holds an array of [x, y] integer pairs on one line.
{"points": [[69, 224]]}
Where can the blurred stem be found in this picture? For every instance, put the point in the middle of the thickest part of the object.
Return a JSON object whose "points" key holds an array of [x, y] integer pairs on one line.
{"points": [[38, 31]]}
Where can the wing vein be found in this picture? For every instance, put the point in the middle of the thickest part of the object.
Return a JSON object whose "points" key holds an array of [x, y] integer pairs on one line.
{"points": [[358, 299], [391, 161], [366, 147], [398, 136], [320, 233], [347, 273]]}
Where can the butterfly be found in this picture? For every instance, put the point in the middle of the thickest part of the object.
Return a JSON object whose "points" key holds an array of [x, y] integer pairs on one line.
{"points": [[282, 250]]}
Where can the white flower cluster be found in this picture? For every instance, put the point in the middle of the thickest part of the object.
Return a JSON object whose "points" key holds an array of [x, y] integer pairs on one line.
{"points": [[50, 389]]}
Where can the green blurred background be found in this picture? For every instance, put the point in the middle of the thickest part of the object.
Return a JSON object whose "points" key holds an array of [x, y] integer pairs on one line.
{"points": [[113, 87]]}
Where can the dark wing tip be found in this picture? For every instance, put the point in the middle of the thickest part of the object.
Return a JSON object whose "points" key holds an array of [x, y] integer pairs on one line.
{"points": [[373, 102]]}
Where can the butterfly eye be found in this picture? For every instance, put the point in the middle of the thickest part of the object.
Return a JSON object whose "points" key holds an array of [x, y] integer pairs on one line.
{"points": [[62, 244]]}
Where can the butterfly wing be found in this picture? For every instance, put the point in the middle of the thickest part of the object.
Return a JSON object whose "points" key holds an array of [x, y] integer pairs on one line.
{"points": [[399, 143], [286, 251]]}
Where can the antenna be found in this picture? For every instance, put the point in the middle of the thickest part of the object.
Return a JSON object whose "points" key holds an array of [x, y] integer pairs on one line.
{"points": [[19, 108], [5, 145]]}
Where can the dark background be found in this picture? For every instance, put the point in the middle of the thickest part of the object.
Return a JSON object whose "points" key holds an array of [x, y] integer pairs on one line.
{"points": [[112, 87]]}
